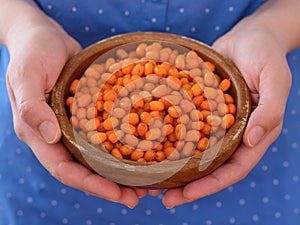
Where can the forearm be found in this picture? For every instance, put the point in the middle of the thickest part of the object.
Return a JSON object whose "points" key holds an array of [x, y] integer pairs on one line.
{"points": [[17, 17], [282, 18]]}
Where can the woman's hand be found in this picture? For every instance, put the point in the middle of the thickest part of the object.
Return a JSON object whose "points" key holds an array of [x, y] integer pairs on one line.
{"points": [[262, 60], [38, 51]]}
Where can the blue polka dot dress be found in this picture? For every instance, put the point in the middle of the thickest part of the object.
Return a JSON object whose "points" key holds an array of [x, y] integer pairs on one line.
{"points": [[269, 195]]}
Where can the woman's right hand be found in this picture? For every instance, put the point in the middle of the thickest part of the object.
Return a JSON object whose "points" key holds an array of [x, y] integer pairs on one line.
{"points": [[38, 49]]}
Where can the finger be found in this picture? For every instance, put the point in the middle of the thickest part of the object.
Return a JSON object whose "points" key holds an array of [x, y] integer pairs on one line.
{"points": [[173, 197], [155, 192], [140, 192], [26, 90], [57, 160], [274, 86], [60, 164], [128, 197]]}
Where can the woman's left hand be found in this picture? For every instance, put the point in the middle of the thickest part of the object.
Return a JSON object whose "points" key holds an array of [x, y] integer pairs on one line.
{"points": [[262, 61]]}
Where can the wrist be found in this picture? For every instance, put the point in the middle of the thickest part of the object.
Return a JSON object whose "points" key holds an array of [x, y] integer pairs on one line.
{"points": [[280, 19], [17, 26]]}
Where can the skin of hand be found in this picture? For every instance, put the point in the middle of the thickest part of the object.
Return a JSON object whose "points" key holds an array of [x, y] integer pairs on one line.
{"points": [[38, 51], [262, 60]]}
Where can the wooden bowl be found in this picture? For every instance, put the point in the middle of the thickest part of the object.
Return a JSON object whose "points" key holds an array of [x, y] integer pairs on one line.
{"points": [[166, 174]]}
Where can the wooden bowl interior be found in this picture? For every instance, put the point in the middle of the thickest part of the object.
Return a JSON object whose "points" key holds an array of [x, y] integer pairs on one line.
{"points": [[166, 174]]}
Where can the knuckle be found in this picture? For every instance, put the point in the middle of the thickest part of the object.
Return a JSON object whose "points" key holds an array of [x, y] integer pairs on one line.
{"points": [[19, 130], [26, 109]]}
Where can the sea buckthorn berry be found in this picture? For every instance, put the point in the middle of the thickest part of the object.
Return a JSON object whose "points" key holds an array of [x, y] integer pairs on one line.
{"points": [[116, 153], [98, 138], [138, 70], [228, 121], [225, 84], [156, 106], [174, 111], [136, 155], [151, 104], [160, 71], [149, 68]]}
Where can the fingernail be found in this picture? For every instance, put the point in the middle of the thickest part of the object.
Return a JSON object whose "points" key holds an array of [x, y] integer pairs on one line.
{"points": [[255, 135], [48, 131], [131, 206]]}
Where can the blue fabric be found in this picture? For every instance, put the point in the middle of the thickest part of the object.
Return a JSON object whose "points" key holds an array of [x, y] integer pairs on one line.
{"points": [[269, 195]]}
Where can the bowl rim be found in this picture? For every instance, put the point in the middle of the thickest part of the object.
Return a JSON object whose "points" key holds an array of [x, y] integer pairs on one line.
{"points": [[232, 137]]}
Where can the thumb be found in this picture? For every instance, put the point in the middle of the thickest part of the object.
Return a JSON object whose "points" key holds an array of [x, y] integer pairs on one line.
{"points": [[273, 91], [27, 93]]}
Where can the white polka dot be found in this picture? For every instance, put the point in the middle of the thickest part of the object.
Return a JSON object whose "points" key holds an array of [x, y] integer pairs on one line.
{"points": [[123, 211], [264, 168], [126, 13], [168, 29], [8, 194], [295, 57], [53, 202], [285, 164], [231, 220], [28, 170], [99, 210], [265, 200], [287, 197], [275, 182], [231, 8], [8, 132], [195, 207], [21, 180], [294, 145], [208, 222], [295, 178], [242, 201], [285, 131], [217, 28], [86, 28], [76, 205], [207, 10], [181, 10], [219, 204], [185, 223], [74, 9], [65, 221], [43, 215], [252, 184], [230, 188], [255, 218], [63, 191], [153, 20], [42, 186], [148, 212], [49, 7], [29, 199], [88, 222], [193, 29], [20, 213], [19, 151], [274, 149], [172, 211], [100, 11], [113, 30], [296, 211], [293, 111], [277, 215]]}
